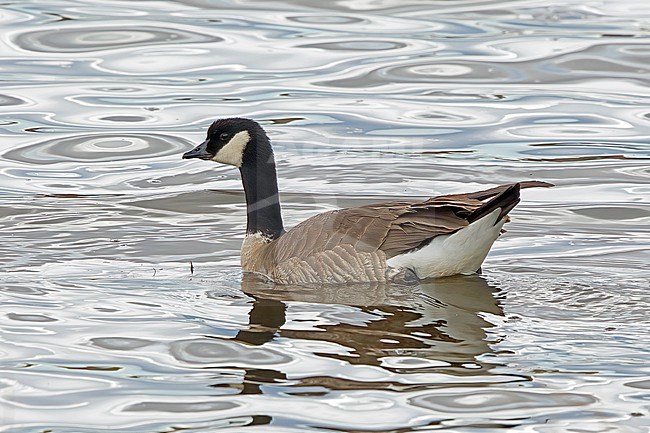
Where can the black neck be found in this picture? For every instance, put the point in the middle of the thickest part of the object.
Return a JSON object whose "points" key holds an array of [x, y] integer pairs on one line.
{"points": [[261, 187]]}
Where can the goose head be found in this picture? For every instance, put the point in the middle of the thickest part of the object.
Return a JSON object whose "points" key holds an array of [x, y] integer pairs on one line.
{"points": [[230, 141]]}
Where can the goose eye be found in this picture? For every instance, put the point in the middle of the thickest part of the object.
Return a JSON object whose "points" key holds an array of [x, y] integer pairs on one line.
{"points": [[224, 136]]}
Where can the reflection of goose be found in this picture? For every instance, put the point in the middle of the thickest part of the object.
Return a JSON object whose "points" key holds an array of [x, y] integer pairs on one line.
{"points": [[399, 241], [439, 320]]}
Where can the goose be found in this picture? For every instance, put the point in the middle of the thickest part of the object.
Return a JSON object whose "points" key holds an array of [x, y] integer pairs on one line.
{"points": [[400, 241]]}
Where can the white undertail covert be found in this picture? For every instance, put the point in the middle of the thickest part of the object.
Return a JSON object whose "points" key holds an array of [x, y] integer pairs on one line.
{"points": [[462, 252]]}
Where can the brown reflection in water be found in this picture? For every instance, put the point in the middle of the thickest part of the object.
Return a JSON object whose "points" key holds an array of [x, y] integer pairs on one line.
{"points": [[437, 322]]}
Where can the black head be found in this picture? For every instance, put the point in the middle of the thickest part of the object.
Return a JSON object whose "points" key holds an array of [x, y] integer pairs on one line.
{"points": [[228, 140]]}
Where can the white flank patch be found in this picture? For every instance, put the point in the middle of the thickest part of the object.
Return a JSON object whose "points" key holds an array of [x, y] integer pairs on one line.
{"points": [[460, 253], [233, 152]]}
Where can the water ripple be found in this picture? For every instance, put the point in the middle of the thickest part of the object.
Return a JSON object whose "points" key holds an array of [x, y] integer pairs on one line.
{"points": [[98, 148], [120, 343], [319, 19], [97, 38], [498, 403], [122, 303], [363, 45], [225, 353], [182, 407], [7, 100]]}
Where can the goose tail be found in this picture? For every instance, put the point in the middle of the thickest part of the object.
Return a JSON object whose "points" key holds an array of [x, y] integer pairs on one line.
{"points": [[505, 200], [462, 252]]}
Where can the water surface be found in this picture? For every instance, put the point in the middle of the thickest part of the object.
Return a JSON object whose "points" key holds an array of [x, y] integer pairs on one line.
{"points": [[103, 326]]}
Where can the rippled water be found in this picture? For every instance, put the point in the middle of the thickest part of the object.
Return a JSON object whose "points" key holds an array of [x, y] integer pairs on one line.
{"points": [[104, 327]]}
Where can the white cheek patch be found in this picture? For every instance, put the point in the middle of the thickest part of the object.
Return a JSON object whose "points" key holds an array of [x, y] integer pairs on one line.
{"points": [[233, 152]]}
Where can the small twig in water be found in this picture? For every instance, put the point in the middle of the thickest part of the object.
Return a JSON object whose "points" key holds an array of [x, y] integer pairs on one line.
{"points": [[191, 268], [154, 272]]}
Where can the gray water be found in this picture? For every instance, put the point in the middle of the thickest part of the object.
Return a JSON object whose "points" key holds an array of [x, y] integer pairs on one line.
{"points": [[103, 326]]}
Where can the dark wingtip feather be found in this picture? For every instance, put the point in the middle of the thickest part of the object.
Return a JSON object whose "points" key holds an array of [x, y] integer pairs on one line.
{"points": [[487, 193], [535, 184], [505, 200]]}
